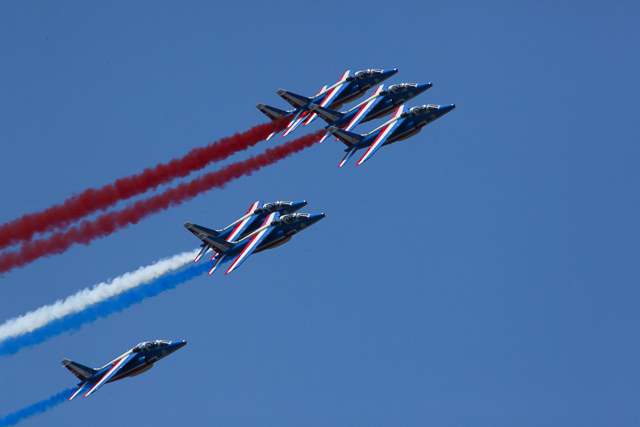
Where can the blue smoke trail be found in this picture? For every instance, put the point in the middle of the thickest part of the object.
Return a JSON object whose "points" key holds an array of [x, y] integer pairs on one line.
{"points": [[102, 309], [36, 408]]}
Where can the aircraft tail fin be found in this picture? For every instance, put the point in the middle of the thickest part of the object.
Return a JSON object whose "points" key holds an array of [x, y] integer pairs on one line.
{"points": [[80, 371], [294, 99], [197, 230], [327, 114], [348, 138], [272, 112]]}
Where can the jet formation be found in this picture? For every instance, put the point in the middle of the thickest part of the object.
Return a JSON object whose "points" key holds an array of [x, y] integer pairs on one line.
{"points": [[269, 225], [264, 226], [384, 101]]}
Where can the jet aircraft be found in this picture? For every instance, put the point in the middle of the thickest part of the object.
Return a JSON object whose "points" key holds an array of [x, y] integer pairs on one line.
{"points": [[264, 226], [349, 88], [381, 103], [134, 362], [401, 126]]}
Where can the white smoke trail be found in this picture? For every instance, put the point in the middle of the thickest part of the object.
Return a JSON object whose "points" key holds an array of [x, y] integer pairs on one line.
{"points": [[89, 296]]}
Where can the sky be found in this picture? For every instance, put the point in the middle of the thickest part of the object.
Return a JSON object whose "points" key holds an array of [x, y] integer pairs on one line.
{"points": [[483, 272]]}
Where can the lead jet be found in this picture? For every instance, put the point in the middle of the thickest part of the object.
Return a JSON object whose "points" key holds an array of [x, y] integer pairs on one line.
{"points": [[349, 88], [403, 125], [262, 227], [381, 103], [134, 362]]}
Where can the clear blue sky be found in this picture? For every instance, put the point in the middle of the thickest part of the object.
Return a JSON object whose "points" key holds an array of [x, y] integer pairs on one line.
{"points": [[484, 272]]}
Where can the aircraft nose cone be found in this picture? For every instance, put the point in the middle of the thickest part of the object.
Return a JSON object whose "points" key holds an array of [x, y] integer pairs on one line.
{"points": [[295, 206], [424, 86], [447, 108], [177, 345], [316, 217]]}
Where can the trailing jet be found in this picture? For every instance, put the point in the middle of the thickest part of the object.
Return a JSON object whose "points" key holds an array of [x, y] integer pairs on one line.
{"points": [[349, 88], [381, 103], [262, 227], [134, 362], [402, 126]]}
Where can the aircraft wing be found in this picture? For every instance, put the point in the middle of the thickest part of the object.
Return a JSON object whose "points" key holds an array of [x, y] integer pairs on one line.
{"points": [[246, 222], [365, 108], [328, 99], [254, 242], [384, 133], [301, 116], [240, 227], [117, 365]]}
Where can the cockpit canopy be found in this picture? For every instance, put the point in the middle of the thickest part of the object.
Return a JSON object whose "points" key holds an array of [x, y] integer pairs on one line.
{"points": [[366, 73], [401, 87], [291, 218], [272, 207], [150, 345], [417, 111]]}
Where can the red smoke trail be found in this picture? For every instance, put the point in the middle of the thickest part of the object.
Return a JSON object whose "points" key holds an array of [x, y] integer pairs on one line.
{"points": [[74, 208], [110, 222]]}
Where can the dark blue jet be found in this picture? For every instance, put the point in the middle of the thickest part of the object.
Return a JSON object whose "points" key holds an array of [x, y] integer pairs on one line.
{"points": [[134, 362], [381, 103], [262, 227], [402, 126], [349, 88]]}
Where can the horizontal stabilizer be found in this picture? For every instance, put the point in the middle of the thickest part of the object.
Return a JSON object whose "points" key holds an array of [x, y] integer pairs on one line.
{"points": [[348, 138], [272, 112], [80, 371], [217, 263], [82, 387], [297, 121], [203, 251], [327, 114], [350, 152]]}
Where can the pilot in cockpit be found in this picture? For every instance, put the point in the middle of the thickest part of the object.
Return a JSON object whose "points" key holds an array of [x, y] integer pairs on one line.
{"points": [[149, 345]]}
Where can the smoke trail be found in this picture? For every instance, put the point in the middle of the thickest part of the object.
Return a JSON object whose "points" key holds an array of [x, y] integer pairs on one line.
{"points": [[102, 309], [36, 408], [93, 200], [89, 296], [110, 222]]}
